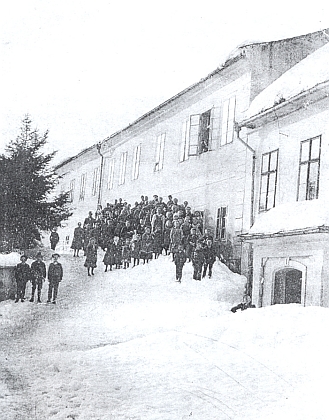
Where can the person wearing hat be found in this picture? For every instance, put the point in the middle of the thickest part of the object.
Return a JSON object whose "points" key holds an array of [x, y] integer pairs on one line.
{"points": [[38, 271], [54, 239], [22, 276], [55, 275]]}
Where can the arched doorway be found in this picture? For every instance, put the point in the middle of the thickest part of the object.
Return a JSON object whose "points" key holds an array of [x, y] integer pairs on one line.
{"points": [[288, 286]]}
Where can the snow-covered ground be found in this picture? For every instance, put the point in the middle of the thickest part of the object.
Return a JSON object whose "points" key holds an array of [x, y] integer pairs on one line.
{"points": [[134, 344]]}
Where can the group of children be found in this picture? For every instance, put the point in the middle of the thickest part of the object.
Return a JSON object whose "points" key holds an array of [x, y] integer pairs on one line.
{"points": [[129, 235], [36, 274]]}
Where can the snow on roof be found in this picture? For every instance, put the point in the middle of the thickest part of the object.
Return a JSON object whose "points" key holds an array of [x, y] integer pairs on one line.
{"points": [[292, 216], [309, 72], [9, 260]]}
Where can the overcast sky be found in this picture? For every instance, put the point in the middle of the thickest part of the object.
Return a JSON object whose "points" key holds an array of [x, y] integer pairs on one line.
{"points": [[86, 68]]}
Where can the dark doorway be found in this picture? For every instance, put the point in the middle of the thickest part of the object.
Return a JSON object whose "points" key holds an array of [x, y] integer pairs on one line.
{"points": [[288, 286]]}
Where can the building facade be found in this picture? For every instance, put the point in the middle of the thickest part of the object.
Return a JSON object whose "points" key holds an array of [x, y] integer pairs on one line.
{"points": [[288, 126], [190, 147]]}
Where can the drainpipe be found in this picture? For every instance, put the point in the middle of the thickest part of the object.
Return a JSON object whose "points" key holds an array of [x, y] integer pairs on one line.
{"points": [[99, 146], [237, 129]]}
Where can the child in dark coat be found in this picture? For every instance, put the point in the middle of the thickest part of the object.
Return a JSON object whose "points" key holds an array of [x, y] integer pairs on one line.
{"points": [[136, 247], [91, 256], [210, 257], [126, 253], [179, 260], [109, 257], [198, 260]]}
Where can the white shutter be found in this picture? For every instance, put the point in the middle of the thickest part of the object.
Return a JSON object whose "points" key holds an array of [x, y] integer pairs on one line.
{"points": [[231, 119], [193, 147], [225, 113], [184, 144], [214, 128], [136, 161]]}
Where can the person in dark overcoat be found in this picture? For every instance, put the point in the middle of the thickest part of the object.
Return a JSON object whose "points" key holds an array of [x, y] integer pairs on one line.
{"points": [[22, 276], [91, 256], [176, 237], [38, 276], [55, 276], [54, 239], [198, 260], [109, 257], [146, 245], [136, 248], [78, 238], [210, 257], [179, 260]]}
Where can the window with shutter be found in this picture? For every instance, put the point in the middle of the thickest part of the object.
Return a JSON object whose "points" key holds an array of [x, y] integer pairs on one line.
{"points": [[228, 118], [123, 163], [111, 175], [136, 160], [160, 152], [82, 187]]}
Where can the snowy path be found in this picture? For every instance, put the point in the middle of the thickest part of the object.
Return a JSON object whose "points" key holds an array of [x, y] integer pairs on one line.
{"points": [[133, 344]]}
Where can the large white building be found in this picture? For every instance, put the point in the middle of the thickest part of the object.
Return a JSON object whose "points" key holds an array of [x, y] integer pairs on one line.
{"points": [[190, 147], [288, 126]]}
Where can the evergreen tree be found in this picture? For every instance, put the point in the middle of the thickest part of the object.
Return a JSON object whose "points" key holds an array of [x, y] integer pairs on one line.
{"points": [[28, 203]]}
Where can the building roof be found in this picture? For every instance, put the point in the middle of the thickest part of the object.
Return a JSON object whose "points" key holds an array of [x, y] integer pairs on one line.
{"points": [[307, 74], [299, 216]]}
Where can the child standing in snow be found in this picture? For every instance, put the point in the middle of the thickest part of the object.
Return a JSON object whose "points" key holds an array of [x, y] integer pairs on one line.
{"points": [[179, 259], [126, 254], [198, 260], [118, 252], [135, 247], [91, 256], [146, 245]]}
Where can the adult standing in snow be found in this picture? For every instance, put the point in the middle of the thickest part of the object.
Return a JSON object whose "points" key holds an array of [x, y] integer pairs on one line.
{"points": [[54, 239], [78, 238], [55, 275], [91, 256], [22, 276], [38, 271]]}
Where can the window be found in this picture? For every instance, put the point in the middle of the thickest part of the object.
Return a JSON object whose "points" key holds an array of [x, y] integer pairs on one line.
{"points": [[136, 160], [228, 118], [95, 186], [268, 180], [71, 191], [221, 223], [111, 175], [123, 164], [199, 133], [160, 152], [185, 143], [82, 187], [309, 169]]}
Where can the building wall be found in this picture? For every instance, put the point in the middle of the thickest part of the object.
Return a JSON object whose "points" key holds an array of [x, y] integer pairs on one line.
{"points": [[286, 135], [218, 178], [311, 250], [306, 254]]}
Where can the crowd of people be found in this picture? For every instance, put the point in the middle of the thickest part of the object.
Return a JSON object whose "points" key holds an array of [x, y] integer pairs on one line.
{"points": [[133, 234]]}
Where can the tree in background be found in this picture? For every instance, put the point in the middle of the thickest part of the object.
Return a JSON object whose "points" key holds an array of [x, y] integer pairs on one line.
{"points": [[28, 204]]}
